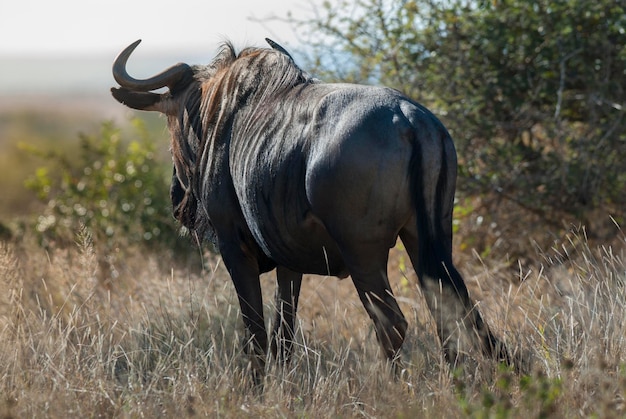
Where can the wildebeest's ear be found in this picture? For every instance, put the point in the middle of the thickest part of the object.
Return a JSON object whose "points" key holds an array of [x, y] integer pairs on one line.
{"points": [[144, 101]]}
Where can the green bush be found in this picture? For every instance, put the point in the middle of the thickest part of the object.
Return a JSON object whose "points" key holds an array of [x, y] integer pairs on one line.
{"points": [[116, 188]]}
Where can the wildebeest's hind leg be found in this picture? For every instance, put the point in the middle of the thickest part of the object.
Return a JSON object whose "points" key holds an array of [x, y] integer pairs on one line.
{"points": [[368, 268], [459, 324], [287, 294]]}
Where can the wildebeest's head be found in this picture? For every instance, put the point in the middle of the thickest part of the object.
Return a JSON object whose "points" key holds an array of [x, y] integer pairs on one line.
{"points": [[199, 103]]}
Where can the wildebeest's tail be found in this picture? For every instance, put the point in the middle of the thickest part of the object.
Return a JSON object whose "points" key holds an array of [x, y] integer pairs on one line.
{"points": [[433, 178], [433, 183]]}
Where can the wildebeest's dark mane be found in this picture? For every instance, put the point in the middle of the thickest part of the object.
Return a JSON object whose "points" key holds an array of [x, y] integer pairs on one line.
{"points": [[284, 70], [252, 78]]}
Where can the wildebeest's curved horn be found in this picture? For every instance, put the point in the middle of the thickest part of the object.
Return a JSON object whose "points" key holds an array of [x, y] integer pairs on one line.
{"points": [[167, 78], [278, 47]]}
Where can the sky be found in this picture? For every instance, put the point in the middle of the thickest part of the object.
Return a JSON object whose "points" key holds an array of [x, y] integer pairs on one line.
{"points": [[70, 27]]}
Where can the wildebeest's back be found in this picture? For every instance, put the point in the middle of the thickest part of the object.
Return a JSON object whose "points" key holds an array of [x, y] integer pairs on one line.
{"points": [[323, 163]]}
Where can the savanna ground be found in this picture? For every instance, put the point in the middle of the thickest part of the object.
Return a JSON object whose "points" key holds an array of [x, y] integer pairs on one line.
{"points": [[88, 330]]}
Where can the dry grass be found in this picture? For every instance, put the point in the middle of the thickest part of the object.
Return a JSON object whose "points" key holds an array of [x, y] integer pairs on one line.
{"points": [[142, 340]]}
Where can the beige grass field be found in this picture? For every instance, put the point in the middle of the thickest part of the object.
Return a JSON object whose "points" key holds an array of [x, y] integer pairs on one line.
{"points": [[84, 334]]}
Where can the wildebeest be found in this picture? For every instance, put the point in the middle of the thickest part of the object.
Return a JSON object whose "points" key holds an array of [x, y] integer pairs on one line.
{"points": [[283, 171]]}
